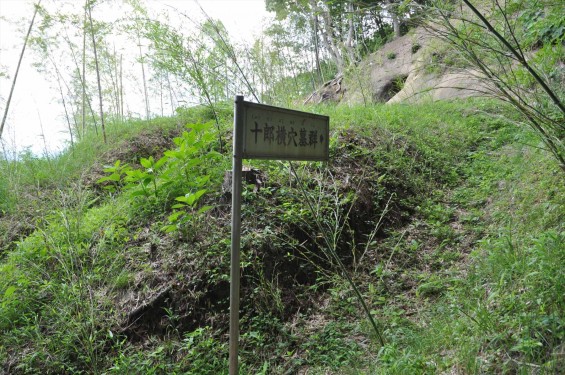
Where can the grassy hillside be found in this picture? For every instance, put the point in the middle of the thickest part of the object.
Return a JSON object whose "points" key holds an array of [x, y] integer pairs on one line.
{"points": [[448, 219]]}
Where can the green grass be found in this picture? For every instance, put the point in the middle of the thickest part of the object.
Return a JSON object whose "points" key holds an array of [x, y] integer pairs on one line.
{"points": [[31, 186], [454, 238], [503, 311]]}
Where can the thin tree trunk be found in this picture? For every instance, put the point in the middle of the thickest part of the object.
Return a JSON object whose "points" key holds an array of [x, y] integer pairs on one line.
{"points": [[83, 75], [198, 77], [18, 69], [227, 81], [161, 91], [392, 9], [396, 25], [45, 148], [143, 76], [97, 74], [231, 54], [59, 79], [170, 94], [292, 67], [316, 45], [116, 84], [114, 93], [328, 36], [66, 112], [350, 33], [121, 87]]}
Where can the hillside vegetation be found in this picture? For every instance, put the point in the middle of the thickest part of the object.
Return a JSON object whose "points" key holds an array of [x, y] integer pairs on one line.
{"points": [[431, 242], [452, 228]]}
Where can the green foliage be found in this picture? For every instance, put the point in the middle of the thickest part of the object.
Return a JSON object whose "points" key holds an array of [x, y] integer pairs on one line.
{"points": [[146, 178], [185, 210], [54, 303], [450, 228], [6, 196], [286, 90], [116, 177], [541, 25], [501, 313], [330, 348], [191, 166], [512, 293], [203, 114], [64, 302], [515, 52], [197, 353], [393, 360], [327, 27], [193, 59]]}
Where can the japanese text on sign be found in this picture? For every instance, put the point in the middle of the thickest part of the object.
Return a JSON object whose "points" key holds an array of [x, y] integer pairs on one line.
{"points": [[276, 133]]}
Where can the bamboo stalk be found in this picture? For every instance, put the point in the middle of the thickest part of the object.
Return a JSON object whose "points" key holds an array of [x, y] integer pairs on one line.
{"points": [[18, 69], [83, 75], [97, 74], [147, 111]]}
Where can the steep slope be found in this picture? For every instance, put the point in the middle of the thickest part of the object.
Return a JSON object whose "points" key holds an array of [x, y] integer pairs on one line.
{"points": [[122, 276]]}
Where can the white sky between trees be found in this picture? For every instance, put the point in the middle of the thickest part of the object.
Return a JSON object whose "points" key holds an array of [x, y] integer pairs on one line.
{"points": [[36, 100]]}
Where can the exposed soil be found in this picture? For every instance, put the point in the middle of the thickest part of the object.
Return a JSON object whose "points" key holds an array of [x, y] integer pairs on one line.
{"points": [[143, 145]]}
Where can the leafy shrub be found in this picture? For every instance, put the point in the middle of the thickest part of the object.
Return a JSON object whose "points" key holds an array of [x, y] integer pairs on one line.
{"points": [[185, 173]]}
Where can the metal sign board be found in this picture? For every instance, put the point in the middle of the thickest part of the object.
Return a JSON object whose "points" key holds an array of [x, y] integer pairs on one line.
{"points": [[284, 134]]}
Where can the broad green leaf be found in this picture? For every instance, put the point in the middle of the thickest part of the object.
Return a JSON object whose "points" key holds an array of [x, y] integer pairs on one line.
{"points": [[174, 216], [134, 175], [204, 209], [202, 180], [11, 289], [213, 155], [191, 199], [173, 154], [138, 193], [113, 177], [145, 162], [198, 194], [169, 228], [161, 162], [103, 179], [192, 163], [183, 198]]}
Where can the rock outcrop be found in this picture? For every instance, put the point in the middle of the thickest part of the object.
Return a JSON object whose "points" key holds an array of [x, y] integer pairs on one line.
{"points": [[408, 69]]}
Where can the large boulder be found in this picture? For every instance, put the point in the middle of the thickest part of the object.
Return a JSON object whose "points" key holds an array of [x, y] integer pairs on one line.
{"points": [[412, 68]]}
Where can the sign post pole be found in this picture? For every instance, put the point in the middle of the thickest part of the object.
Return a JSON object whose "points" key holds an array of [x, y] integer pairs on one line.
{"points": [[266, 132], [235, 234]]}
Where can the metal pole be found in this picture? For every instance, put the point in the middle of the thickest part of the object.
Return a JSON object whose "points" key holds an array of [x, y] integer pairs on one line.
{"points": [[235, 234]]}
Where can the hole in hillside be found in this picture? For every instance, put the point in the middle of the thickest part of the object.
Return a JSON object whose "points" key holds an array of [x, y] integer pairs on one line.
{"points": [[147, 318], [176, 307], [391, 89]]}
